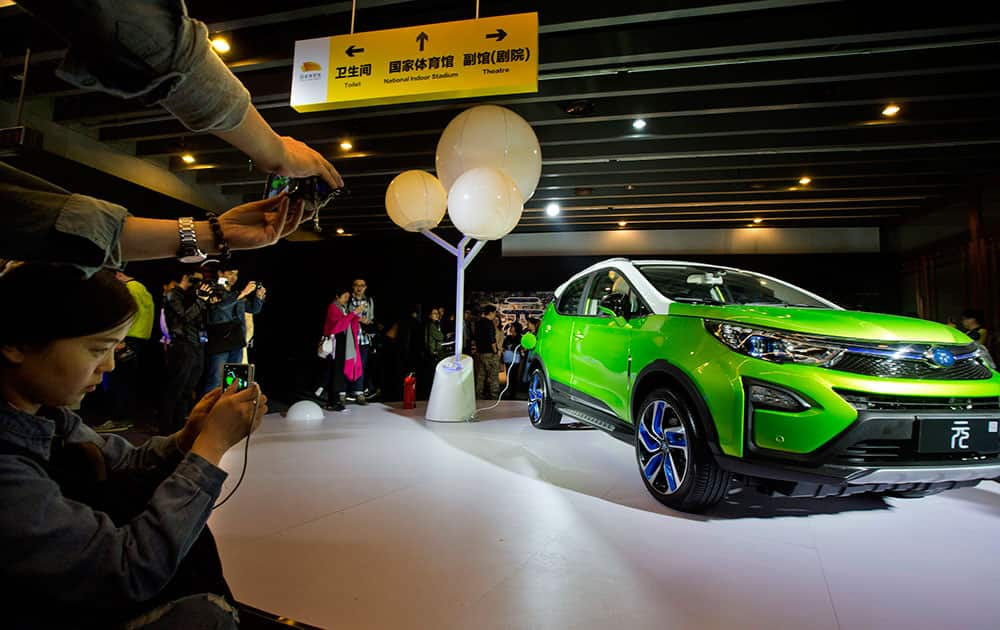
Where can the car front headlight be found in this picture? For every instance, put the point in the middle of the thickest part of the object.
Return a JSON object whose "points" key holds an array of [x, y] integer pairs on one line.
{"points": [[774, 345]]}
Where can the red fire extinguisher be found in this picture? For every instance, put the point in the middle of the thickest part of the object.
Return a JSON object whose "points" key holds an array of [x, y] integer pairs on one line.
{"points": [[409, 391]]}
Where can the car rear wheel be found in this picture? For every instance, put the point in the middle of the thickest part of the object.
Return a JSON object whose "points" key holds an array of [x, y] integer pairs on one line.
{"points": [[541, 411], [675, 463]]}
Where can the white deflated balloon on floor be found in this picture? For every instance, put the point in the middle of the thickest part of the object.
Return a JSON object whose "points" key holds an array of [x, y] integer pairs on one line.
{"points": [[493, 137], [485, 203]]}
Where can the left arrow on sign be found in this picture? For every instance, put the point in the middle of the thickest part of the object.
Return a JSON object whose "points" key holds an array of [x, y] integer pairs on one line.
{"points": [[351, 50]]}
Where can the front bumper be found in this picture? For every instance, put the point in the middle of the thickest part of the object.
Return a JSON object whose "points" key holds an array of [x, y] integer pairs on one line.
{"points": [[837, 480]]}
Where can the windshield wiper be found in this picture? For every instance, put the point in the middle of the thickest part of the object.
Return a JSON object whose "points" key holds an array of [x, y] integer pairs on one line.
{"points": [[780, 303], [694, 300]]}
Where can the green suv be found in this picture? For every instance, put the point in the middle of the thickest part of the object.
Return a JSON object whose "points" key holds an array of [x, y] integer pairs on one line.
{"points": [[718, 375]]}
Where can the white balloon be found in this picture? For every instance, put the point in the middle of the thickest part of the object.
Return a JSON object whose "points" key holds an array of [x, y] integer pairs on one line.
{"points": [[416, 200], [485, 203], [493, 137], [304, 411]]}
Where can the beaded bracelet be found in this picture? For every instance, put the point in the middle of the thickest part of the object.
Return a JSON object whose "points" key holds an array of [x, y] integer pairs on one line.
{"points": [[220, 239]]}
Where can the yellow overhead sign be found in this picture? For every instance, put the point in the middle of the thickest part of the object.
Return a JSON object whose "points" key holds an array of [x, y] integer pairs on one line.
{"points": [[495, 55]]}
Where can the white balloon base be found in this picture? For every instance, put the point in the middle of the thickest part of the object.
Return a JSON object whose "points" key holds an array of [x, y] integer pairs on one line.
{"points": [[453, 394]]}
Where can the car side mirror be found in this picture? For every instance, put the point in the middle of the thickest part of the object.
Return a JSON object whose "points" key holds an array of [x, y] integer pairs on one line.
{"points": [[614, 305]]}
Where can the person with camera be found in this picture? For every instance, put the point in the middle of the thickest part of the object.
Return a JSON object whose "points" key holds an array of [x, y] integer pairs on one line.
{"points": [[184, 309], [94, 532], [226, 319], [346, 374], [365, 305]]}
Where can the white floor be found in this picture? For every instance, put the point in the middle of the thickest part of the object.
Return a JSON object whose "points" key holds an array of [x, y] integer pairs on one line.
{"points": [[375, 518]]}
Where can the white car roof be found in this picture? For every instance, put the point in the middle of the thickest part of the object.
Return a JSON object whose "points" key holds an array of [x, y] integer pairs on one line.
{"points": [[657, 301]]}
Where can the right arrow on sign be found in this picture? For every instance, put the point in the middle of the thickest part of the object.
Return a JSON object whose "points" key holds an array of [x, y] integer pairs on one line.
{"points": [[421, 38], [499, 35]]}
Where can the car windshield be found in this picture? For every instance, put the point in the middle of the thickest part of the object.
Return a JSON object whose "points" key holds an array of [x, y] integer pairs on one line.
{"points": [[696, 284]]}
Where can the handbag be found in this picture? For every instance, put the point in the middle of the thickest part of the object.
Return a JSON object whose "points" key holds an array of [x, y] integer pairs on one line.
{"points": [[326, 347]]}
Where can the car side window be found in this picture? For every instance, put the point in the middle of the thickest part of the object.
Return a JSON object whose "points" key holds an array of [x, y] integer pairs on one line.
{"points": [[610, 281], [605, 283], [569, 303]]}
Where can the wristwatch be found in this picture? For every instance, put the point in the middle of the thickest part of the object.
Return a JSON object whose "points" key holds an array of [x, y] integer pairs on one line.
{"points": [[188, 251]]}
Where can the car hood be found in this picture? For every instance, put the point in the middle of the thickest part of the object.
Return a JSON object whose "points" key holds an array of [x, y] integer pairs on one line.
{"points": [[828, 322]]}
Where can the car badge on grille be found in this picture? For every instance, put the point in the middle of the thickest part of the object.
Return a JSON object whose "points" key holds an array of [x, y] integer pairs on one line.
{"points": [[942, 357]]}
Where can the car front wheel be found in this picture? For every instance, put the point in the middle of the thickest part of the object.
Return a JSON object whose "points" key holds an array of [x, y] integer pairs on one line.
{"points": [[542, 413], [675, 463]]}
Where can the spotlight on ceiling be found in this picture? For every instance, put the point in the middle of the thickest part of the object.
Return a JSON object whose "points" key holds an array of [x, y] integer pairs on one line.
{"points": [[220, 45], [346, 145], [578, 108], [805, 180], [639, 124], [552, 209], [890, 110], [758, 220], [340, 230], [622, 224], [188, 158]]}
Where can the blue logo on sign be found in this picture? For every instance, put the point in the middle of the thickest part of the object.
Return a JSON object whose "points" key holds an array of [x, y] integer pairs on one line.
{"points": [[943, 357]]}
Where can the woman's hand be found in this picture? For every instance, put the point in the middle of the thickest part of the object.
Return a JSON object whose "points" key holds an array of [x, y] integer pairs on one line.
{"points": [[300, 160], [235, 415], [261, 223], [196, 420]]}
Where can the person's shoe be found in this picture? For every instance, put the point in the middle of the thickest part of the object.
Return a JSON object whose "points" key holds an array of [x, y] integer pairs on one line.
{"points": [[370, 395], [360, 399], [113, 427], [350, 398], [337, 406]]}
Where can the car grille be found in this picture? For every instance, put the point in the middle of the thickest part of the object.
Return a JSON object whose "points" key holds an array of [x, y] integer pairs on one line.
{"points": [[963, 370], [881, 402], [902, 452], [901, 449]]}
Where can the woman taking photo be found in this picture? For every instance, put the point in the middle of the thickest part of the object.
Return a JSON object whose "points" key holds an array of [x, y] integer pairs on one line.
{"points": [[344, 326], [95, 532]]}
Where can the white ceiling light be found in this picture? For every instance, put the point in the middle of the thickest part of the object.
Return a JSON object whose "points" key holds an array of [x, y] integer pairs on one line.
{"points": [[639, 124], [552, 209]]}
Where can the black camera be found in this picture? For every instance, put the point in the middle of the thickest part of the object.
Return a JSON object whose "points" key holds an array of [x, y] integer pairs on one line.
{"points": [[313, 190]]}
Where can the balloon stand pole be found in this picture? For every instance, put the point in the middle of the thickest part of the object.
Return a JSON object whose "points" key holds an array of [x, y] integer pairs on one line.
{"points": [[453, 394]]}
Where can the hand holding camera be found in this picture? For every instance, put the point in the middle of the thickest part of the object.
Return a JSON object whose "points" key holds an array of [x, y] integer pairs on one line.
{"points": [[234, 415]]}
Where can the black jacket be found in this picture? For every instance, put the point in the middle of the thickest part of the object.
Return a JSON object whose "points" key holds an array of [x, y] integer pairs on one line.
{"points": [[185, 315]]}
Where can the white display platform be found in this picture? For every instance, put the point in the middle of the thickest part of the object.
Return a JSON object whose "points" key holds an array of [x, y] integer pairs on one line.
{"points": [[376, 518]]}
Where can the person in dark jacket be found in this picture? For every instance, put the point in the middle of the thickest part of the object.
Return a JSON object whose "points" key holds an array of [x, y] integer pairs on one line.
{"points": [[184, 311], [226, 327]]}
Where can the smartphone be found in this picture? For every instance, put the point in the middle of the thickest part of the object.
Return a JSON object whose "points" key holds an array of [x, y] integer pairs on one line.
{"points": [[239, 373]]}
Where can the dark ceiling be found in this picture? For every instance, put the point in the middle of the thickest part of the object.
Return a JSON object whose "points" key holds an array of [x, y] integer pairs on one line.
{"points": [[741, 99]]}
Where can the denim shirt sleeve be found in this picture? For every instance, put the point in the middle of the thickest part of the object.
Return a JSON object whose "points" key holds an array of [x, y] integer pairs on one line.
{"points": [[62, 547], [41, 221], [147, 49]]}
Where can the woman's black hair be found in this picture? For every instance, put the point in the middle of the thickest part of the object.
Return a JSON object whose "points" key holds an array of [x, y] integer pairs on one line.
{"points": [[45, 302]]}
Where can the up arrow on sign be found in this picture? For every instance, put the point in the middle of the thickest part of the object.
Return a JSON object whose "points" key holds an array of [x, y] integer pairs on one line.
{"points": [[422, 37]]}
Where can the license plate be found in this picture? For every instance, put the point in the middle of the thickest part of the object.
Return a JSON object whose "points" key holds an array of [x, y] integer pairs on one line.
{"points": [[974, 435]]}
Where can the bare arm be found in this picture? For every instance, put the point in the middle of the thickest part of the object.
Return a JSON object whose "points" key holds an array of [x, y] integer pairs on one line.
{"points": [[279, 154]]}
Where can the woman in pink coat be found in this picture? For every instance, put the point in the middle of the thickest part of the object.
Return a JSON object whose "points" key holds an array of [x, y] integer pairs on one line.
{"points": [[344, 326]]}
